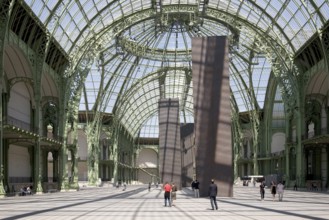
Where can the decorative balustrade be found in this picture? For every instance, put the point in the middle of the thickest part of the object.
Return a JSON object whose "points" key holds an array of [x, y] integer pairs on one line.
{"points": [[28, 127]]}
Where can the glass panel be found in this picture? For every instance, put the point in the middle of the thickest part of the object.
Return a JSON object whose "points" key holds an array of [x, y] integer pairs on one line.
{"points": [[135, 77]]}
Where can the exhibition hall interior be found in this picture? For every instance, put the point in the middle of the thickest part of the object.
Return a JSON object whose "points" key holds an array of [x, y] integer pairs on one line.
{"points": [[102, 93]]}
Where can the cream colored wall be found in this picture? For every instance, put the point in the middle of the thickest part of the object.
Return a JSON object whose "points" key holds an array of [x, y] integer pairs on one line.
{"points": [[82, 145], [147, 158], [19, 161], [50, 169], [50, 165], [323, 118], [83, 171], [83, 155], [144, 177], [19, 103], [278, 142]]}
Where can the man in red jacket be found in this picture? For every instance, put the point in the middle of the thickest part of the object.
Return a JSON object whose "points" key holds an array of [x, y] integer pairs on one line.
{"points": [[167, 189]]}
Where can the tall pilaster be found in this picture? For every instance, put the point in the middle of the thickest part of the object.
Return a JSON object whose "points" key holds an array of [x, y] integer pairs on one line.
{"points": [[6, 164], [300, 173], [74, 138], [324, 166], [115, 156], [37, 64], [287, 149], [5, 12], [63, 168], [3, 145], [301, 166], [44, 159], [55, 165], [37, 167], [67, 123], [74, 168]]}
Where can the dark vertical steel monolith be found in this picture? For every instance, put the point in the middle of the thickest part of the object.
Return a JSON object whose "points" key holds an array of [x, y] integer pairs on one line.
{"points": [[211, 92]]}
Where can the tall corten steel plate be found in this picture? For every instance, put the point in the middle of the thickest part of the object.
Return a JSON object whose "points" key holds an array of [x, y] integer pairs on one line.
{"points": [[211, 93], [170, 161]]}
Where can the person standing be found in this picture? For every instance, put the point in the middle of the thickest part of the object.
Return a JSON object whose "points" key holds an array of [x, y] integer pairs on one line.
{"points": [[262, 191], [193, 185], [196, 189], [212, 194], [295, 186], [173, 193], [280, 189], [167, 189], [273, 189]]}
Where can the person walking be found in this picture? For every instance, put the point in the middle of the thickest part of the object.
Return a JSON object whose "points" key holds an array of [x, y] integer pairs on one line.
{"points": [[262, 191], [196, 189], [167, 189], [173, 193], [273, 190], [280, 189], [212, 194]]}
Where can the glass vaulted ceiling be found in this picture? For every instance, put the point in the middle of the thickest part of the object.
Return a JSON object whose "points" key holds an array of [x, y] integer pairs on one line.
{"points": [[144, 55]]}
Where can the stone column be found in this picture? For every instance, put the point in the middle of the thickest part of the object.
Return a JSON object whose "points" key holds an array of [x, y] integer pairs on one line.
{"points": [[212, 110], [170, 164]]}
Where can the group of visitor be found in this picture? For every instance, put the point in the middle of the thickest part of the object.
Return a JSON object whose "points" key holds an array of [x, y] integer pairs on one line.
{"points": [[279, 188], [26, 190], [170, 193]]}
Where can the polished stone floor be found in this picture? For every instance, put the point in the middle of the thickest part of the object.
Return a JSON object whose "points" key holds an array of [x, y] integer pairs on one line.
{"points": [[137, 203]]}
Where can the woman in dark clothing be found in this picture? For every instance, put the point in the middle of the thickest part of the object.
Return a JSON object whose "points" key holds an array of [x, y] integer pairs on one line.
{"points": [[273, 190], [262, 191]]}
